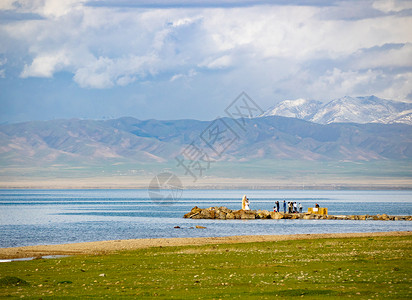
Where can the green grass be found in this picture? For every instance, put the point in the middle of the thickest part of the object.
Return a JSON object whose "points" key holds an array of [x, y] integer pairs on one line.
{"points": [[364, 268]]}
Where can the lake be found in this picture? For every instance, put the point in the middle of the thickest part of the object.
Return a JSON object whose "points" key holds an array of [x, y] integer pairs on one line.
{"points": [[34, 217]]}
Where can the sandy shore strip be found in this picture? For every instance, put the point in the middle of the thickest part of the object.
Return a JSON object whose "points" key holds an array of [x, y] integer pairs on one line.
{"points": [[105, 247]]}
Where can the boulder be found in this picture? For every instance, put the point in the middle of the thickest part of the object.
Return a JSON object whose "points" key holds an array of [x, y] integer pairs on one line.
{"points": [[225, 209], [195, 211], [248, 215], [236, 213], [207, 214], [220, 215], [383, 217], [196, 216], [244, 214], [287, 216], [308, 217], [276, 215], [230, 216], [263, 214]]}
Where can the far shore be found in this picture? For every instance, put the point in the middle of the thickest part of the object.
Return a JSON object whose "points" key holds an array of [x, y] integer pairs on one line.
{"points": [[219, 183], [106, 247]]}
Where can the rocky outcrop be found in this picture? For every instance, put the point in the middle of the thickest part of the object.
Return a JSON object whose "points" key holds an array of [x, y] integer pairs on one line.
{"points": [[224, 213]]}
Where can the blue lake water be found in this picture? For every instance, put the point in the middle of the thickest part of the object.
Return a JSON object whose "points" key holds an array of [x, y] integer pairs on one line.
{"points": [[34, 217]]}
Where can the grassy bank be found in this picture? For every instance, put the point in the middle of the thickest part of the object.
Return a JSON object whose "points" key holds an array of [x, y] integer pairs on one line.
{"points": [[364, 268]]}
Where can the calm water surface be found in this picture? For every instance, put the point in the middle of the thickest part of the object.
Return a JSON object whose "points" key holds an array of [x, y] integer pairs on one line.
{"points": [[33, 217]]}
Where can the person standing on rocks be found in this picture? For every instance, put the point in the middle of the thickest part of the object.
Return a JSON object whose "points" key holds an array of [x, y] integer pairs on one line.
{"points": [[284, 206], [300, 207], [277, 205]]}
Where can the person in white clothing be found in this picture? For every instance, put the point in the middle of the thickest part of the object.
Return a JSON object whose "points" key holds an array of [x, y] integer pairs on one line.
{"points": [[247, 204]]}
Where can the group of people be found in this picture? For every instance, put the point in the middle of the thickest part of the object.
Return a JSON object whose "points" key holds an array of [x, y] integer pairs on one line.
{"points": [[292, 207]]}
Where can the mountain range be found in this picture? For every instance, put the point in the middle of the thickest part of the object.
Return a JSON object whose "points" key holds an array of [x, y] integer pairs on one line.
{"points": [[269, 150], [361, 110], [78, 142]]}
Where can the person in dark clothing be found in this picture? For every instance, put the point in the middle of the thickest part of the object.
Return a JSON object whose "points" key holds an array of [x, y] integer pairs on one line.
{"points": [[277, 205], [284, 206]]}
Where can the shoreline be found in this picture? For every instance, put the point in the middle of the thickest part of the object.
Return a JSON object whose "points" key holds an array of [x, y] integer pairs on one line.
{"points": [[106, 247]]}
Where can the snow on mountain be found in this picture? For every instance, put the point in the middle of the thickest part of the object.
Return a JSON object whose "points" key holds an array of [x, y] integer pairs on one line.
{"points": [[299, 108], [369, 109], [402, 117]]}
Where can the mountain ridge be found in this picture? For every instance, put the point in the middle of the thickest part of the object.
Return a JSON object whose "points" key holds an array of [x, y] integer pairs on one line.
{"points": [[369, 109], [129, 139]]}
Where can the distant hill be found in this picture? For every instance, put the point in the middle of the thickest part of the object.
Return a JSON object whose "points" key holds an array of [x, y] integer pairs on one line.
{"points": [[369, 109], [128, 139]]}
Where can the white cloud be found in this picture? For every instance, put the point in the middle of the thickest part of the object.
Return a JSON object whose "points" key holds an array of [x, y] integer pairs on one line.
{"points": [[399, 87], [105, 47], [391, 57], [6, 4], [178, 76], [47, 8], [392, 5], [58, 8], [105, 72], [186, 21], [345, 82], [46, 65], [217, 63], [95, 74]]}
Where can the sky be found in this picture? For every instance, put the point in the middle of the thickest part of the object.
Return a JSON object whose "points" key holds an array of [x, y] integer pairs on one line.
{"points": [[189, 59]]}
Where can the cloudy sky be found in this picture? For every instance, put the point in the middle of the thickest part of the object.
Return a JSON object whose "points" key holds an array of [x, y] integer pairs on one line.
{"points": [[190, 58]]}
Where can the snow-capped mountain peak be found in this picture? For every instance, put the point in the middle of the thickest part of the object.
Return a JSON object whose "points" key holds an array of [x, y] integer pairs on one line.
{"points": [[299, 108], [347, 109]]}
